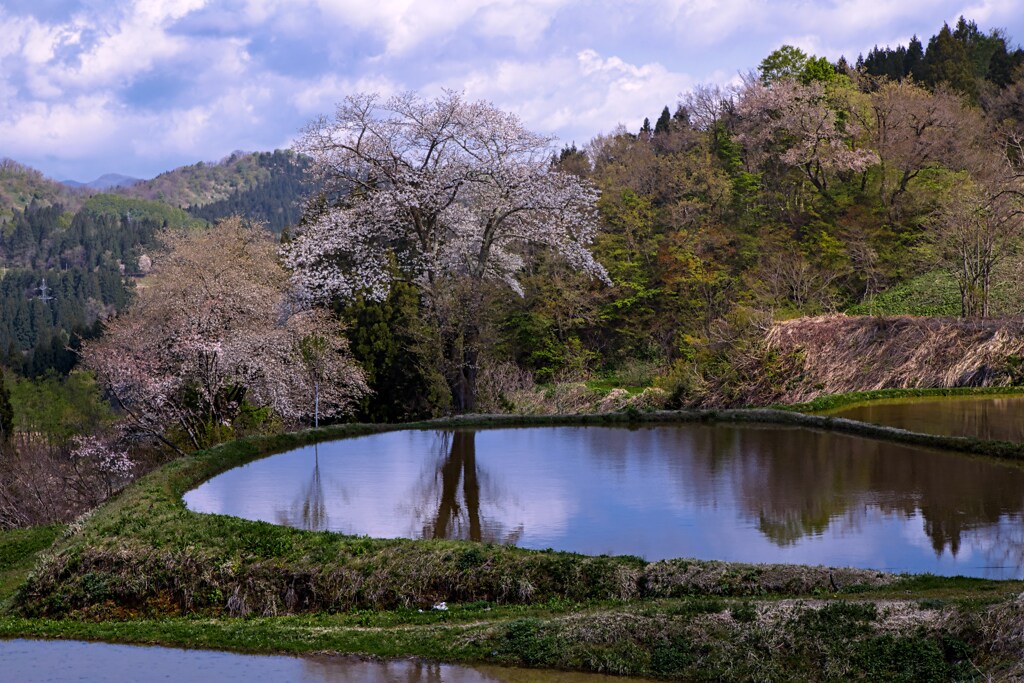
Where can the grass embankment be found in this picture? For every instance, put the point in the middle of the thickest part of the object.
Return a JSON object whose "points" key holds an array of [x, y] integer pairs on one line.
{"points": [[834, 402], [18, 551], [145, 569]]}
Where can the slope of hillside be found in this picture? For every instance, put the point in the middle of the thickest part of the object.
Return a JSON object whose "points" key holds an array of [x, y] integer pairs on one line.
{"points": [[203, 183], [936, 293], [275, 201], [20, 185], [838, 353]]}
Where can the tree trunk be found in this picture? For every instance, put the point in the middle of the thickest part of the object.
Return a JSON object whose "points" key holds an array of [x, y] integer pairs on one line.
{"points": [[464, 389]]}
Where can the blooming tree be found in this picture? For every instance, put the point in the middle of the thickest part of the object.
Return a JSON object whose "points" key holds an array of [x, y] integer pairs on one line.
{"points": [[914, 128], [456, 193], [214, 326], [804, 126]]}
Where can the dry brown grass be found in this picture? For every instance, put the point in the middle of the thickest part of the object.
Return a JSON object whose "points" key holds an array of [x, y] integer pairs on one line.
{"points": [[862, 353]]}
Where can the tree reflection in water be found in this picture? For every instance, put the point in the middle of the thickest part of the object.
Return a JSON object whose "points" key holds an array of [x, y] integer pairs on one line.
{"points": [[451, 494], [309, 512], [799, 484]]}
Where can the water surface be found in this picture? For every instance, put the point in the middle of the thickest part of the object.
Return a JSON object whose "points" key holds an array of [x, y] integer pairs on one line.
{"points": [[985, 417], [61, 661], [737, 493]]}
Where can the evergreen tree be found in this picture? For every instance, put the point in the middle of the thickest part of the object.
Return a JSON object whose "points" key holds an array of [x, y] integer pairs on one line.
{"points": [[662, 125], [913, 61], [947, 61], [389, 341], [6, 411]]}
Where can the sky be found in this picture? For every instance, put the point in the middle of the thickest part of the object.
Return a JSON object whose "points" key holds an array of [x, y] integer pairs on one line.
{"points": [[140, 87]]}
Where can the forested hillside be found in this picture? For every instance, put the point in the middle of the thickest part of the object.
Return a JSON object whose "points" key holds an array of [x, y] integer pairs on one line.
{"points": [[87, 246], [237, 180], [84, 260], [809, 188], [274, 197], [21, 185]]}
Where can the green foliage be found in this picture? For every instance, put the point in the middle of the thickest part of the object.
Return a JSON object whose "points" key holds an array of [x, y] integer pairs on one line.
{"points": [[932, 294], [785, 62], [21, 187], [947, 61], [81, 258], [18, 551], [909, 659], [272, 197], [683, 382], [531, 641], [128, 209], [744, 612], [818, 69], [202, 183], [661, 127], [396, 351], [59, 408]]}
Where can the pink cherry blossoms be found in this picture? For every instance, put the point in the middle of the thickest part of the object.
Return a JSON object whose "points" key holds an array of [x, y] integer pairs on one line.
{"points": [[449, 187]]}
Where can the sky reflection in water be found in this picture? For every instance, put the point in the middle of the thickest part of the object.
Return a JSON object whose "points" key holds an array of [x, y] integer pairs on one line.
{"points": [[738, 493]]}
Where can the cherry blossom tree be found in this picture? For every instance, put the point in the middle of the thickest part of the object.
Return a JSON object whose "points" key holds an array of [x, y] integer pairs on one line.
{"points": [[457, 193], [215, 326], [914, 129], [804, 126]]}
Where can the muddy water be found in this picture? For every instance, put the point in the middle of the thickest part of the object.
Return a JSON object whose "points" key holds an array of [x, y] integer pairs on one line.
{"points": [[984, 417], [59, 661], [737, 493]]}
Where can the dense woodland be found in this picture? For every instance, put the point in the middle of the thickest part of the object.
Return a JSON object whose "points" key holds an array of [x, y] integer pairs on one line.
{"points": [[275, 201], [891, 183]]}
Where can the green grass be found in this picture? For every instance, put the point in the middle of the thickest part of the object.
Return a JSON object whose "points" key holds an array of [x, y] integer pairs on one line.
{"points": [[834, 402], [933, 294], [936, 294], [690, 638], [18, 551]]}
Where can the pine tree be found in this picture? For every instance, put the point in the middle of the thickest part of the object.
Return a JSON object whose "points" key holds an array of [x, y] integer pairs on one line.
{"points": [[662, 125], [946, 61], [6, 411], [912, 62]]}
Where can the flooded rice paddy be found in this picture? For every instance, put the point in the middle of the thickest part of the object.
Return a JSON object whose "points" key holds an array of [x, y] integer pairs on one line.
{"points": [[725, 492]]}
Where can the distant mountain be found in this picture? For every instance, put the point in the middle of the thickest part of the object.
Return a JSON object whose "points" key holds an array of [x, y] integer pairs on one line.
{"points": [[263, 186], [106, 181]]}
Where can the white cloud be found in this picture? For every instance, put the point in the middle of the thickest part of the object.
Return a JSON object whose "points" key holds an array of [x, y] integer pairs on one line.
{"points": [[320, 96], [578, 97], [134, 45], [405, 25], [123, 83]]}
